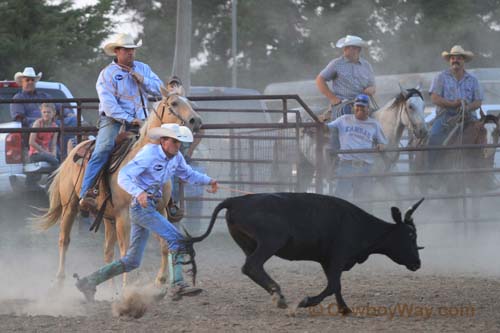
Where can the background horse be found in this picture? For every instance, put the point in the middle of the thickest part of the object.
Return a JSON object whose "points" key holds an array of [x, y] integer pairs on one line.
{"points": [[68, 178], [482, 131], [404, 111]]}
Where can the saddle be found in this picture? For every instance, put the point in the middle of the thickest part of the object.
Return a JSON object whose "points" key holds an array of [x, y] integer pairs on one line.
{"points": [[123, 144]]}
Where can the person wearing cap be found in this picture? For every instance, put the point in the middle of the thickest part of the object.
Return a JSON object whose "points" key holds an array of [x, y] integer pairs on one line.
{"points": [[27, 113], [143, 178], [122, 87], [357, 131], [350, 75], [449, 90]]}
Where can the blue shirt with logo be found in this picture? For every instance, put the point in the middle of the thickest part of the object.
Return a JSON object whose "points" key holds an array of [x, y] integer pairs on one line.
{"points": [[150, 169], [118, 91]]}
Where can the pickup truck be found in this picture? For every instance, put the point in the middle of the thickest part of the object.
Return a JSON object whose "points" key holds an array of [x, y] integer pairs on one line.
{"points": [[13, 164]]}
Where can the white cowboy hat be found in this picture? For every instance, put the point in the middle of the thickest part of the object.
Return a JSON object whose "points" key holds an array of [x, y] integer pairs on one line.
{"points": [[458, 50], [181, 133], [121, 40], [28, 72], [351, 40]]}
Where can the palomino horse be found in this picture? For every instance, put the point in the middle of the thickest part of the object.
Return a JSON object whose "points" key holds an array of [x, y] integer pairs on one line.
{"points": [[404, 111], [68, 178]]}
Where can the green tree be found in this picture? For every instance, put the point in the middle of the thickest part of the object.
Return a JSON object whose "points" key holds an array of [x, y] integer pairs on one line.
{"points": [[61, 41]]}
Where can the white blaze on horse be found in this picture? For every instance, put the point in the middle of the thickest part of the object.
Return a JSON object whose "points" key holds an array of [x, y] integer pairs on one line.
{"points": [[68, 179]]}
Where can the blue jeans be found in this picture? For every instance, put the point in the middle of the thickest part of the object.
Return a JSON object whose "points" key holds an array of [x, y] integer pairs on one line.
{"points": [[144, 221], [105, 142], [357, 187]]}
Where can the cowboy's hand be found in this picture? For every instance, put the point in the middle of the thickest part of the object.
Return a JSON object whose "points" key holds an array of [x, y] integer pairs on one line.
{"points": [[142, 199], [380, 146], [137, 77], [214, 186], [137, 122], [335, 101]]}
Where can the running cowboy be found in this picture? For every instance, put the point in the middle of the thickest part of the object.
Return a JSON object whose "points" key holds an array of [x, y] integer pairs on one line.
{"points": [[143, 178], [121, 87]]}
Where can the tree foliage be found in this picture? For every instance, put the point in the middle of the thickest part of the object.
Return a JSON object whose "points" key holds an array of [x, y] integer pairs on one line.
{"points": [[58, 40], [279, 40]]}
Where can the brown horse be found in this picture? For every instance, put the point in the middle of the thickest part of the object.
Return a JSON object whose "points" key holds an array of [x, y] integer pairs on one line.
{"points": [[68, 179], [482, 131]]}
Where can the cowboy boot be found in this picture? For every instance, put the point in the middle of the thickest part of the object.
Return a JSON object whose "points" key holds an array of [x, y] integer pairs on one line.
{"points": [[88, 284], [178, 287]]}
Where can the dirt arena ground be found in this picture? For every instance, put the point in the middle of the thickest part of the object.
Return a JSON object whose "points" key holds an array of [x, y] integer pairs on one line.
{"points": [[457, 288]]}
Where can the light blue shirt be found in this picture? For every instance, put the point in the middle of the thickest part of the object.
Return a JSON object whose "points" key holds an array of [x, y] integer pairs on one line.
{"points": [[349, 79], [150, 169], [449, 88], [118, 92], [358, 134]]}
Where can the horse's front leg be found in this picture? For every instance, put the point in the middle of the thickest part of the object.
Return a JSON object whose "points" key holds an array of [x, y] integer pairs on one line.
{"points": [[161, 276], [109, 244], [122, 225]]}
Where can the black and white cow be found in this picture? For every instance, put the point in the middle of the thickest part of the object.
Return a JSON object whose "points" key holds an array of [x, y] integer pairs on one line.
{"points": [[306, 226]]}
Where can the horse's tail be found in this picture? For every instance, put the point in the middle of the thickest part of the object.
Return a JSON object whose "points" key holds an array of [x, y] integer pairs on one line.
{"points": [[54, 212], [224, 204]]}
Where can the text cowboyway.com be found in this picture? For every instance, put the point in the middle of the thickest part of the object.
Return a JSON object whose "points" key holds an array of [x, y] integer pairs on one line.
{"points": [[397, 310]]}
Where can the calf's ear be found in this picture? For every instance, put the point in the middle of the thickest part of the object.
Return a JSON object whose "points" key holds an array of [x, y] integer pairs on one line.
{"points": [[396, 215]]}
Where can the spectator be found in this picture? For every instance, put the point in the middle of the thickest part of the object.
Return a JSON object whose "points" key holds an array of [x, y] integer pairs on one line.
{"points": [[43, 145], [357, 131], [27, 113]]}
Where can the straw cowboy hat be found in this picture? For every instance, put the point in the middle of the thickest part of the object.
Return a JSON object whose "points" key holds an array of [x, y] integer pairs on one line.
{"points": [[458, 50], [181, 133], [28, 72], [351, 40], [121, 40]]}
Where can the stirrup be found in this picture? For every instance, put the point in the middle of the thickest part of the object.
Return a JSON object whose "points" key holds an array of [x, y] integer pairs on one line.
{"points": [[88, 202]]}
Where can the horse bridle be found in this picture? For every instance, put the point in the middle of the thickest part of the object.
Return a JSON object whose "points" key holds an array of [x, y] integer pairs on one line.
{"points": [[412, 126], [170, 109]]}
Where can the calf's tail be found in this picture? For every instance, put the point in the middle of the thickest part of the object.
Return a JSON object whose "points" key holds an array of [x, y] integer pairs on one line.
{"points": [[224, 204]]}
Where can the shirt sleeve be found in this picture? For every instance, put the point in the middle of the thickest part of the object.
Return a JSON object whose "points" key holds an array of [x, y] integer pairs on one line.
{"points": [[152, 82], [329, 73], [437, 85], [335, 124], [186, 173], [128, 174], [478, 91], [17, 110], [105, 88]]}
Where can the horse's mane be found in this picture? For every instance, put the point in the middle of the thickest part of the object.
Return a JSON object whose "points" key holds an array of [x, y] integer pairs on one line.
{"points": [[402, 98]]}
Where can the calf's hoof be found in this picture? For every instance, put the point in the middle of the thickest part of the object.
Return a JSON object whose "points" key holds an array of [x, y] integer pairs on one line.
{"points": [[345, 311], [279, 300]]}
